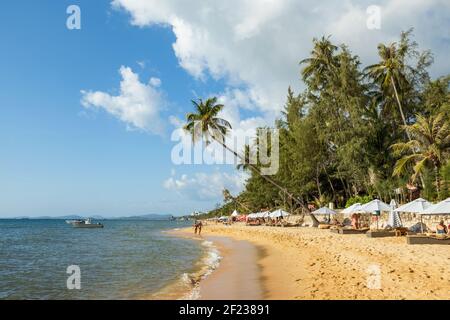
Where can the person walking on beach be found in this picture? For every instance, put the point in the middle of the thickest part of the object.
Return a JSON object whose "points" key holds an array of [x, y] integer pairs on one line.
{"points": [[198, 227]]}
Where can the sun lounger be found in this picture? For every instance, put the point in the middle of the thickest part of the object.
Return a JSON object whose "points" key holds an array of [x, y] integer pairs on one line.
{"points": [[417, 239], [351, 231], [380, 233]]}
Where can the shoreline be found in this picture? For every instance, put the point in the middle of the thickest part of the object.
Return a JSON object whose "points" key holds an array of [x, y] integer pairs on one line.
{"points": [[238, 274], [309, 263]]}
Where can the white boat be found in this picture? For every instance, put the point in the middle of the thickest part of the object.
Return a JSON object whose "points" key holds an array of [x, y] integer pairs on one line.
{"points": [[84, 224]]}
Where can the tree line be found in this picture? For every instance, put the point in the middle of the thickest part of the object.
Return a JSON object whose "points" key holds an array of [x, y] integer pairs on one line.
{"points": [[353, 134]]}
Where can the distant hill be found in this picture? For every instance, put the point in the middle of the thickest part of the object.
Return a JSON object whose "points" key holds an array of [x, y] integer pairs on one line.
{"points": [[153, 217], [157, 217]]}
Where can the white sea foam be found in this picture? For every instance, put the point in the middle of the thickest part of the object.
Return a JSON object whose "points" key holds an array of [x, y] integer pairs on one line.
{"points": [[210, 262]]}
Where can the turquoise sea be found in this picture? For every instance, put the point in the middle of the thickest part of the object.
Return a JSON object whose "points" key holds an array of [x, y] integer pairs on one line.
{"points": [[125, 260]]}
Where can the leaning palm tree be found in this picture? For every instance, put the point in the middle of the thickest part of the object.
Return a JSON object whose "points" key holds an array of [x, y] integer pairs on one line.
{"points": [[228, 197], [430, 142], [206, 125], [388, 73]]}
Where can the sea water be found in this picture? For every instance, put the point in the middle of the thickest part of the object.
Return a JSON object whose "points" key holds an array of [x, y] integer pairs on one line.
{"points": [[124, 260]]}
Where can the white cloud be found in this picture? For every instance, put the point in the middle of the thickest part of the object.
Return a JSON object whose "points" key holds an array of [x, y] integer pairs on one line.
{"points": [[205, 186], [138, 104], [257, 44]]}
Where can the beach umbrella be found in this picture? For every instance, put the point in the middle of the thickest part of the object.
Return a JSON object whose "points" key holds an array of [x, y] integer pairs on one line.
{"points": [[375, 205], [394, 219], [279, 213], [441, 208], [354, 208], [235, 214], [417, 206], [265, 214], [324, 210]]}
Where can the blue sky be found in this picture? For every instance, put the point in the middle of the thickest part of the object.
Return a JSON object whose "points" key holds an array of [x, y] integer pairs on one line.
{"points": [[66, 151], [58, 158]]}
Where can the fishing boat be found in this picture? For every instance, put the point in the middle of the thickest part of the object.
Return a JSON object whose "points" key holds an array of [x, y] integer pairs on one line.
{"points": [[85, 224]]}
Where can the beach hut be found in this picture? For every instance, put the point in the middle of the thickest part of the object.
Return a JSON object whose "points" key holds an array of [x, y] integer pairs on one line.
{"points": [[279, 213]]}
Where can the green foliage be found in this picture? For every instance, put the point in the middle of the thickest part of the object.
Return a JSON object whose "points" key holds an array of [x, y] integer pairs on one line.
{"points": [[445, 176], [336, 135], [358, 199]]}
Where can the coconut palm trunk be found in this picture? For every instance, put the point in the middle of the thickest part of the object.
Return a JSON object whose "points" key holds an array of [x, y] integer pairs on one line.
{"points": [[400, 106], [404, 122], [257, 171]]}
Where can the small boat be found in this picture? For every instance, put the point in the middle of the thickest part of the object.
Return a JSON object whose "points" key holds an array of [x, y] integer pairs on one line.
{"points": [[85, 224], [73, 221]]}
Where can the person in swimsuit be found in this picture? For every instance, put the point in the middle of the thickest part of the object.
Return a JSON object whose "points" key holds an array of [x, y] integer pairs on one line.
{"points": [[355, 221], [441, 228]]}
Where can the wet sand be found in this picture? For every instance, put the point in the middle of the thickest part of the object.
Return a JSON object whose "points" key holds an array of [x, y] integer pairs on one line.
{"points": [[309, 263], [238, 275]]}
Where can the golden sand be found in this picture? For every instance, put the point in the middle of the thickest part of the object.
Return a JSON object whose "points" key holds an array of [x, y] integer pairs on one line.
{"points": [[309, 263]]}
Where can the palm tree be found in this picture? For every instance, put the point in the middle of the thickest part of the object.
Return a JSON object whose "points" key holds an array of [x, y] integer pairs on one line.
{"points": [[321, 60], [227, 196], [388, 73], [430, 141], [205, 124]]}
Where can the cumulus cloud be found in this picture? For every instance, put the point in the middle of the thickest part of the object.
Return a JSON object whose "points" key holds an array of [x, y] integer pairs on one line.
{"points": [[257, 44], [138, 104], [205, 186]]}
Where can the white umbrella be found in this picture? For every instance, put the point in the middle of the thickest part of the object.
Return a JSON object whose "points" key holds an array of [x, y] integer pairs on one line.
{"points": [[324, 210], [441, 208], [375, 205], [279, 213], [235, 214], [265, 214], [394, 219], [416, 206], [354, 208]]}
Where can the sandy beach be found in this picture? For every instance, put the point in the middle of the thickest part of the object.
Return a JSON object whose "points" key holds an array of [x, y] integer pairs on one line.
{"points": [[309, 263]]}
